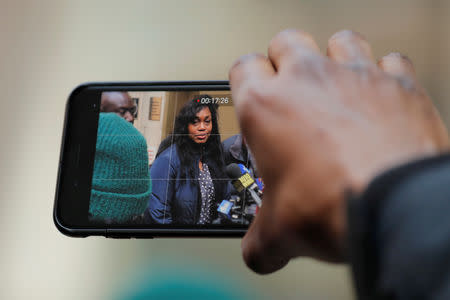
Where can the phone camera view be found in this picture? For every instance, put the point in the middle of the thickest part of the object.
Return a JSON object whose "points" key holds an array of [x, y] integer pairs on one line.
{"points": [[172, 158]]}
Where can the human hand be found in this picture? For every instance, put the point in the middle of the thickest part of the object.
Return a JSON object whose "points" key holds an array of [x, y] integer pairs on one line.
{"points": [[319, 126]]}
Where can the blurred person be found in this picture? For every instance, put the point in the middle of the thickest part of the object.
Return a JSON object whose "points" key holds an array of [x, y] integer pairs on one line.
{"points": [[236, 151], [170, 278], [121, 182], [355, 162], [119, 103], [188, 173]]}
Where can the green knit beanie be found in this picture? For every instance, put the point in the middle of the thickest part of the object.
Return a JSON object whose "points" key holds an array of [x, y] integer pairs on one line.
{"points": [[121, 183]]}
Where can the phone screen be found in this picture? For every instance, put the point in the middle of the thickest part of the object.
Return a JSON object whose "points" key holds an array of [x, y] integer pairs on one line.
{"points": [[172, 158]]}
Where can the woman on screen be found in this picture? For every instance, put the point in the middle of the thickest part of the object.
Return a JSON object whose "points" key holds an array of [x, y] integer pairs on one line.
{"points": [[188, 174]]}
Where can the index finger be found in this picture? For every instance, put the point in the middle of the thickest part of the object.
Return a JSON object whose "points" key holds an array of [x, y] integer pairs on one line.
{"points": [[248, 69], [292, 47]]}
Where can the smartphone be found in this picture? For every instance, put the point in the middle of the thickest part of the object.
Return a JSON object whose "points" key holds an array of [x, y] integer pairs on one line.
{"points": [[154, 159]]}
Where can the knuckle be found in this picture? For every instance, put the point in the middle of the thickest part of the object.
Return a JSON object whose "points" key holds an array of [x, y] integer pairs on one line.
{"points": [[287, 34], [397, 55], [346, 35], [348, 44], [305, 62], [247, 58], [292, 38], [292, 33], [312, 71], [395, 58], [363, 68], [242, 61]]}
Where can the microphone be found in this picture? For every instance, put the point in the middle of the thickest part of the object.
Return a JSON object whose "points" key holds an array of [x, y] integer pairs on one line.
{"points": [[244, 182], [229, 209], [232, 212], [258, 180], [224, 209]]}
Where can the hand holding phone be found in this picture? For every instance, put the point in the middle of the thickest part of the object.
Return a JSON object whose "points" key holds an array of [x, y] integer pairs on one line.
{"points": [[333, 123]]}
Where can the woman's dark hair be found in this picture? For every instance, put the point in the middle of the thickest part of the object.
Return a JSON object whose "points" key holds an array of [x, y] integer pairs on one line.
{"points": [[189, 152]]}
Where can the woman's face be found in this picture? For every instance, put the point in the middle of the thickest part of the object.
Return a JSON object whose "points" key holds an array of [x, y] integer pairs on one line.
{"points": [[200, 130]]}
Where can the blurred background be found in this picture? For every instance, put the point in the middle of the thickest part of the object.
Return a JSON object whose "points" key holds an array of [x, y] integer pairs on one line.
{"points": [[49, 47]]}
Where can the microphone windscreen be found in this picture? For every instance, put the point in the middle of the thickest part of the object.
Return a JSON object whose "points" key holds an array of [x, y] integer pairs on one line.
{"points": [[233, 171]]}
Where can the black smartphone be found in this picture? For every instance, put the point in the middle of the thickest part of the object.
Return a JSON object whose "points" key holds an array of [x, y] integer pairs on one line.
{"points": [[154, 159]]}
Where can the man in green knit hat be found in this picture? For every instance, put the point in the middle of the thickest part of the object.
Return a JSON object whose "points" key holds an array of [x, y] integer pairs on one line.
{"points": [[121, 182]]}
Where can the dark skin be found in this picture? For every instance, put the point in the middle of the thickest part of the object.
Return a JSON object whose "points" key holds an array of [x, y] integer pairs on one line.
{"points": [[119, 103], [318, 126], [200, 130]]}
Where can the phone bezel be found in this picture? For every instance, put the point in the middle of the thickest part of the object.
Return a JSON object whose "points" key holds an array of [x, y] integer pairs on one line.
{"points": [[70, 216]]}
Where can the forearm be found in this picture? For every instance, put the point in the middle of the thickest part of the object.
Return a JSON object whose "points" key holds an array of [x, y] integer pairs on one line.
{"points": [[399, 233]]}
